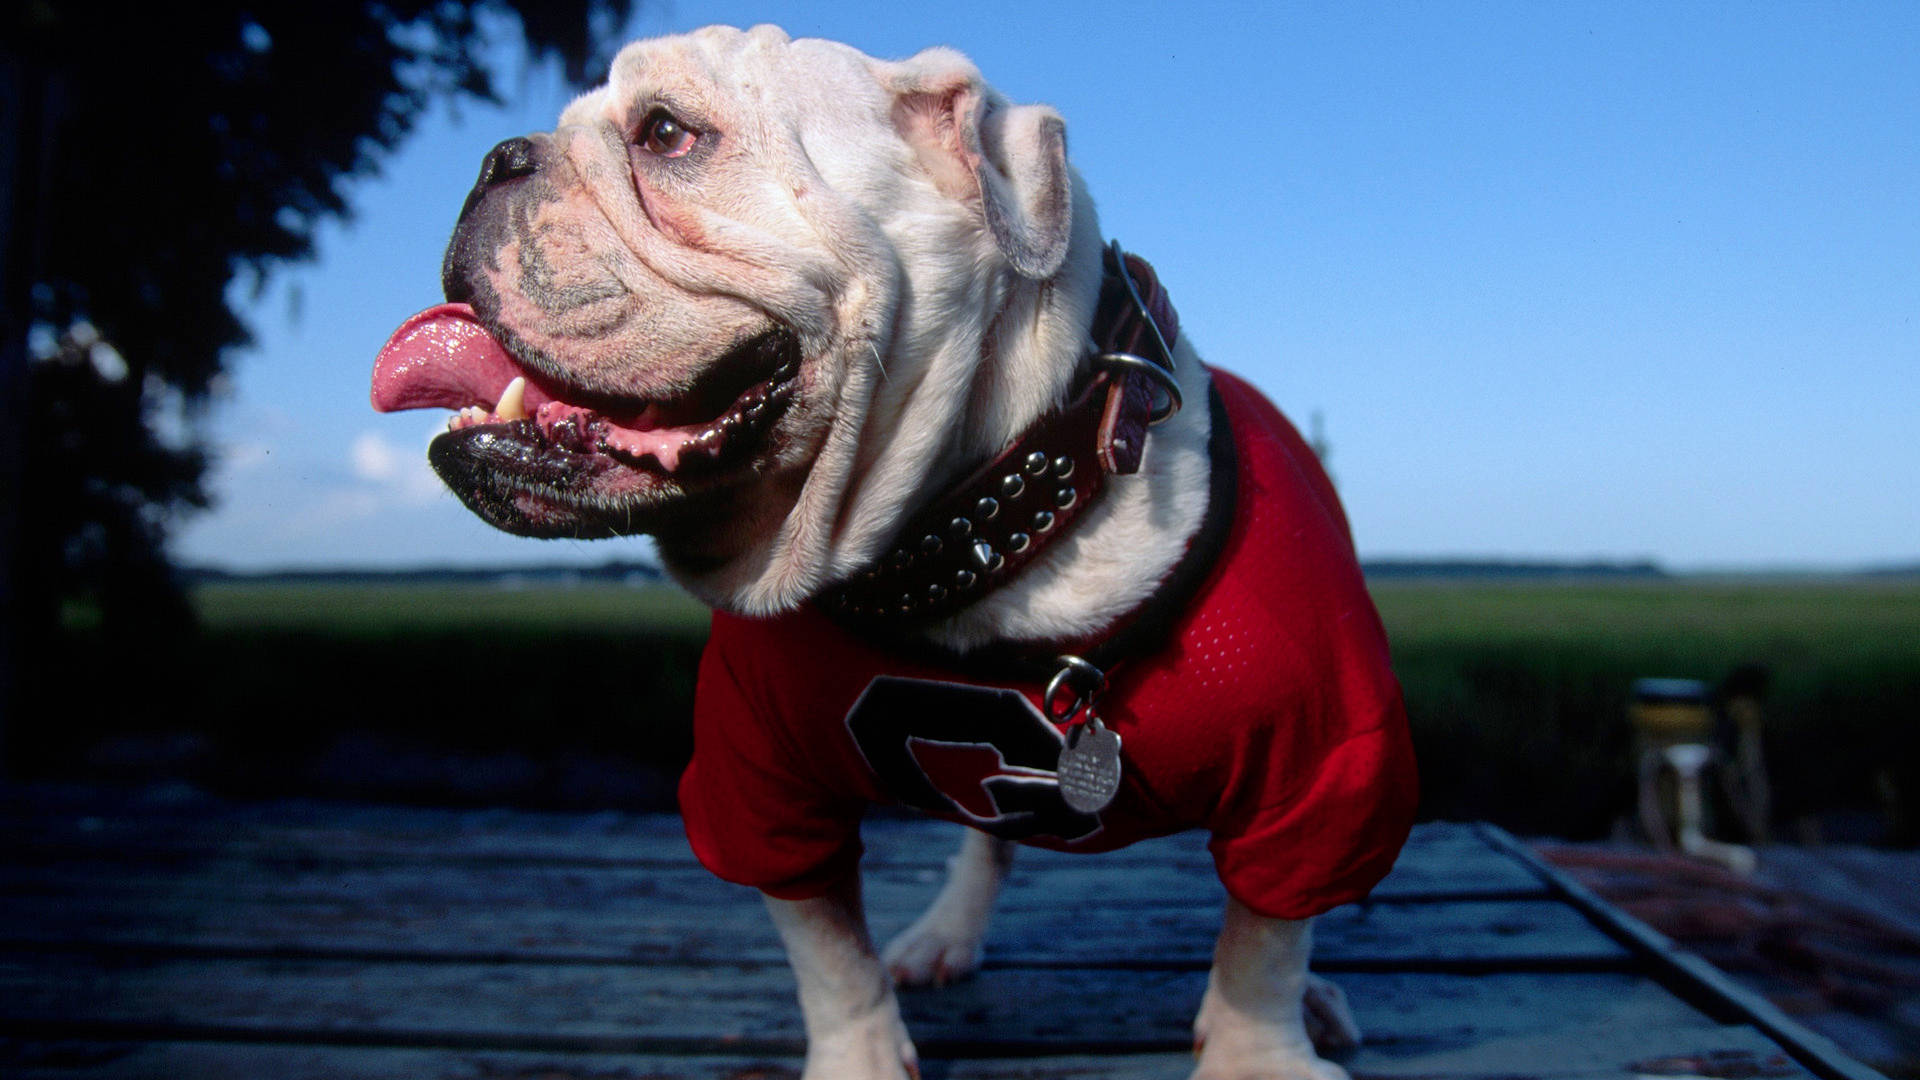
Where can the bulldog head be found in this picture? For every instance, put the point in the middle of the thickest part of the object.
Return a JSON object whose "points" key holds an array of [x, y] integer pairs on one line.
{"points": [[753, 297]]}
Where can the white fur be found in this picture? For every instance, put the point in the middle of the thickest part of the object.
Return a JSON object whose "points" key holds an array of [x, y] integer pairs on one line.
{"points": [[943, 945], [852, 1019], [927, 348], [940, 265], [1251, 1024]]}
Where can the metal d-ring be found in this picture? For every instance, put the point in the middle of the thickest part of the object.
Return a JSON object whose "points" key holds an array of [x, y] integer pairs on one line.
{"points": [[1119, 256], [1085, 680], [1160, 371], [1151, 370]]}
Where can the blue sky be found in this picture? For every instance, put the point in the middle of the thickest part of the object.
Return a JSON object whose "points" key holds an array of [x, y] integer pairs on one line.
{"points": [[1564, 280]]}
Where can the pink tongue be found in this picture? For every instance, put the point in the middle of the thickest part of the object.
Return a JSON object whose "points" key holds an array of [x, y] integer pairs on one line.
{"points": [[443, 358]]}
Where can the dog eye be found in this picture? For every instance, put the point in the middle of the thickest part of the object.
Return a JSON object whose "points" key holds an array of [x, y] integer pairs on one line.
{"points": [[664, 136]]}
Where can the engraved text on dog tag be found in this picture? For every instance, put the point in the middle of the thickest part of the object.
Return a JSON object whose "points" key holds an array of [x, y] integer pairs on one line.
{"points": [[1090, 766]]}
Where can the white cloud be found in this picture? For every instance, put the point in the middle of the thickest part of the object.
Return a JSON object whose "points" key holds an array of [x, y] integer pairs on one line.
{"points": [[361, 499], [393, 472], [374, 458]]}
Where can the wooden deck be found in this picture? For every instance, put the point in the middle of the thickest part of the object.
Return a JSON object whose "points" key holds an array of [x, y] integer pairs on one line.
{"points": [[349, 943], [1831, 934]]}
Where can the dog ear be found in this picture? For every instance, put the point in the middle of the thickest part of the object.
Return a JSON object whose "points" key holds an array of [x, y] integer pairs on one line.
{"points": [[1010, 160]]}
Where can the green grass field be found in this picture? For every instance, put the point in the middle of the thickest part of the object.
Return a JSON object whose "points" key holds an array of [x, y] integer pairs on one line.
{"points": [[1517, 690], [357, 610], [1717, 617], [1709, 612]]}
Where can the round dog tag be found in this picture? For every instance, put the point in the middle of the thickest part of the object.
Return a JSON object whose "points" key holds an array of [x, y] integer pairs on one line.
{"points": [[1090, 767]]}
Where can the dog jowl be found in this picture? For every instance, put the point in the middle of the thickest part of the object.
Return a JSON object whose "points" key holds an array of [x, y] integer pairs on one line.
{"points": [[844, 336]]}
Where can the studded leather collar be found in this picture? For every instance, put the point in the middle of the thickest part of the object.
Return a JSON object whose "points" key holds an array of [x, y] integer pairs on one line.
{"points": [[977, 535]]}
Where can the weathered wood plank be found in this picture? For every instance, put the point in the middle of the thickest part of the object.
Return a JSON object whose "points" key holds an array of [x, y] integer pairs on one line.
{"points": [[1440, 859], [189, 899], [1426, 1019], [624, 915], [219, 878], [352, 832], [1734, 1050], [357, 943], [1881, 884], [217, 881], [1688, 974]]}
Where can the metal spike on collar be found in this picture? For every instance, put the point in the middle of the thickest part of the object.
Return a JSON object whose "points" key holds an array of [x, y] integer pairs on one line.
{"points": [[985, 557]]}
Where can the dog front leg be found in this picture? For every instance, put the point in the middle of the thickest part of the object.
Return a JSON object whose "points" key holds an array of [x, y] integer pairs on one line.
{"points": [[1260, 1002], [853, 1022], [943, 944]]}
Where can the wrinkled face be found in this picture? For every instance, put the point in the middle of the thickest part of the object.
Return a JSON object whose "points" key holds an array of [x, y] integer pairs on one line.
{"points": [[644, 306], [750, 297]]}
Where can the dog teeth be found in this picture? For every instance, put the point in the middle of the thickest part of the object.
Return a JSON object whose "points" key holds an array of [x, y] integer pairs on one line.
{"points": [[467, 417], [648, 433], [513, 400]]}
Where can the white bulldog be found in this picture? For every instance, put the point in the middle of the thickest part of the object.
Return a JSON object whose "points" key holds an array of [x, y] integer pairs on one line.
{"points": [[765, 300]]}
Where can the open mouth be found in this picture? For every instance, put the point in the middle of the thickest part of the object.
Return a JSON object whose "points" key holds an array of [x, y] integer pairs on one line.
{"points": [[538, 457]]}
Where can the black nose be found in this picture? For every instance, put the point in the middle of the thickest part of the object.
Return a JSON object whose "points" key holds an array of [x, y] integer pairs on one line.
{"points": [[510, 160]]}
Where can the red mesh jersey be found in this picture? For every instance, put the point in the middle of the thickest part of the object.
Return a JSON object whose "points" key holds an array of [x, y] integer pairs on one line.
{"points": [[1270, 718]]}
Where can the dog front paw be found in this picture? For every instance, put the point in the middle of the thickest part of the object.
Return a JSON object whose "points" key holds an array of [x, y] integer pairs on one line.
{"points": [[1233, 1045], [939, 948], [875, 1047], [1265, 1068], [1219, 1061]]}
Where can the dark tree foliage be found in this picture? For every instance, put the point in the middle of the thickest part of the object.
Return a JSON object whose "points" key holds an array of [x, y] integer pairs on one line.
{"points": [[152, 156]]}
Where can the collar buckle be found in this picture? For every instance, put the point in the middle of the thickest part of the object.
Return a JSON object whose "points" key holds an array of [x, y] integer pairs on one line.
{"points": [[1138, 329], [1127, 362]]}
